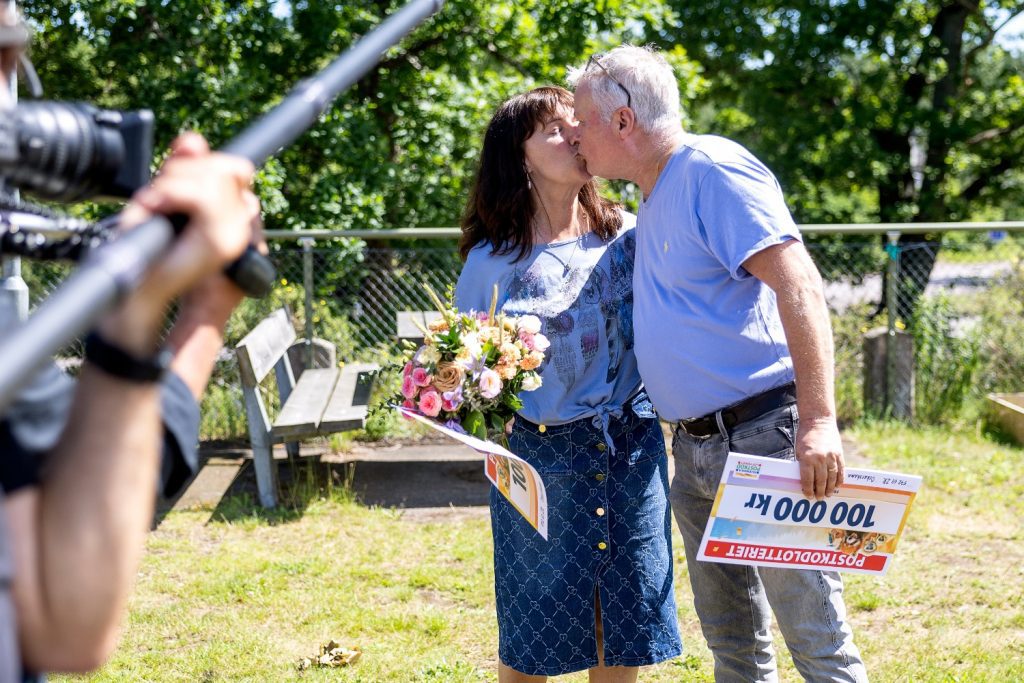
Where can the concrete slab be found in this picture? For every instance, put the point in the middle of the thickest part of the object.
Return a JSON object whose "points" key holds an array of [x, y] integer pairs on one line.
{"points": [[209, 486], [432, 481], [427, 480]]}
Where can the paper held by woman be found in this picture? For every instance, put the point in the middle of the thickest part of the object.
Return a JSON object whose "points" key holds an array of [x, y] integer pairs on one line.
{"points": [[514, 478]]}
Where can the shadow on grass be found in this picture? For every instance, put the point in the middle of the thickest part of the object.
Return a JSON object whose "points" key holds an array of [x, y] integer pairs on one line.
{"points": [[300, 481], [417, 484]]}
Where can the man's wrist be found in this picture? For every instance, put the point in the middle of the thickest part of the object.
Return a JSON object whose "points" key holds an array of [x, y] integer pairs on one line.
{"points": [[819, 420]]}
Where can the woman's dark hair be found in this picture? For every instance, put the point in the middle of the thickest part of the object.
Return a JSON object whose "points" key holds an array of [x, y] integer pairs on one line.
{"points": [[501, 206]]}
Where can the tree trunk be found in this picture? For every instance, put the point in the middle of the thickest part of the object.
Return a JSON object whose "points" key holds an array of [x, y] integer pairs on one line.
{"points": [[918, 252]]}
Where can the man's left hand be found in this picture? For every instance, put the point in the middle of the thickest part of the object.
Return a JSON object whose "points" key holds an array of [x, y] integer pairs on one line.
{"points": [[819, 450]]}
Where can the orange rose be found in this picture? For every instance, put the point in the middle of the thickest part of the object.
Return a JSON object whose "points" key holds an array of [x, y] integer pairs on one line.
{"points": [[531, 361]]}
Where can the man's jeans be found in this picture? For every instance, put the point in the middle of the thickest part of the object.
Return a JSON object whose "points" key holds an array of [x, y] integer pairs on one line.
{"points": [[734, 602]]}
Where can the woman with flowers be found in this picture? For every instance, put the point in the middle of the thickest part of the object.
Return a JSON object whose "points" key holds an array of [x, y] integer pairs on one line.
{"points": [[598, 594]]}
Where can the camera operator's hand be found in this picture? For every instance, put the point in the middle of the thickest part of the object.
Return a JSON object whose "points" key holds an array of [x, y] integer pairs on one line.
{"points": [[216, 291], [213, 190], [203, 312]]}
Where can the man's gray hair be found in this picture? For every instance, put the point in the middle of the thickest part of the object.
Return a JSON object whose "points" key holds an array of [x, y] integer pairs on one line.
{"points": [[645, 74]]}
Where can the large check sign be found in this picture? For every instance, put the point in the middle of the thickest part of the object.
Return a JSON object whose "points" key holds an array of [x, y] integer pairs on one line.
{"points": [[760, 517], [514, 478]]}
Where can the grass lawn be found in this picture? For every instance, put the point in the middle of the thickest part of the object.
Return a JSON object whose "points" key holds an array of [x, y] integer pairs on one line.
{"points": [[244, 597]]}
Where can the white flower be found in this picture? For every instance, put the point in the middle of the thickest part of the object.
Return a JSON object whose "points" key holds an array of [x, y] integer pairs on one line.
{"points": [[428, 355], [529, 323], [531, 381], [540, 343], [471, 343]]}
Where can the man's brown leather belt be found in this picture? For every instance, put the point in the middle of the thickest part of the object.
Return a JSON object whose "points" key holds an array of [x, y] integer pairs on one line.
{"points": [[743, 411]]}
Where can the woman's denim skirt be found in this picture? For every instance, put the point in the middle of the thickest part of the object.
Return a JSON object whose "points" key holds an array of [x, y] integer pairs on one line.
{"points": [[609, 535]]}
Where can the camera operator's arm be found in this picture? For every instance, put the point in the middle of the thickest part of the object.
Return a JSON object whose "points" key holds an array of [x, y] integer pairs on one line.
{"points": [[197, 338], [198, 333], [79, 535]]}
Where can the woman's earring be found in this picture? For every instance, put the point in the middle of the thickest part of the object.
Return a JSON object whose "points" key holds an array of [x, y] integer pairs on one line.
{"points": [[529, 180]]}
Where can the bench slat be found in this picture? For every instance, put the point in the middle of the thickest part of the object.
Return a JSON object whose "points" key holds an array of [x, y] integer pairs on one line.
{"points": [[259, 350], [348, 404], [300, 416], [406, 322]]}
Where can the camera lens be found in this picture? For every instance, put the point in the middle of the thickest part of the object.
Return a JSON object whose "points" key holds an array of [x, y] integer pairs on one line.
{"points": [[65, 150]]}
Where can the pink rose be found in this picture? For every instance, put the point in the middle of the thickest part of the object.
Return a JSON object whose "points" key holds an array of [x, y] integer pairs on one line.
{"points": [[490, 384], [408, 387], [421, 377], [407, 370], [527, 339], [430, 403], [408, 405]]}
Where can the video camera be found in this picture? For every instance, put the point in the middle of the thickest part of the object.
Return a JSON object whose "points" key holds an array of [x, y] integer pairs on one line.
{"points": [[63, 152], [66, 152], [70, 152]]}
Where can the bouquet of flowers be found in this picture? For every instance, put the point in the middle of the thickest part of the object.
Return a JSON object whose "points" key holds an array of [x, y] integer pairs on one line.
{"points": [[471, 368]]}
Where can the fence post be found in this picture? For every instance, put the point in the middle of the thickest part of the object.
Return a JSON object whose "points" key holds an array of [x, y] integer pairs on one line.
{"points": [[307, 283], [891, 302]]}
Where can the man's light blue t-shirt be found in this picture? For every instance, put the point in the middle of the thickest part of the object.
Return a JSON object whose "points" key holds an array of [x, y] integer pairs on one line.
{"points": [[582, 292], [708, 333]]}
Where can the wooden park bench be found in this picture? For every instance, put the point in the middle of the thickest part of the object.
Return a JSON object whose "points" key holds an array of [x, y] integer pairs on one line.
{"points": [[410, 323], [323, 401]]}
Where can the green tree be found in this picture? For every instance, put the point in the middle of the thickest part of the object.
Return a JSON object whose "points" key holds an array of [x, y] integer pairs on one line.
{"points": [[890, 110], [396, 150]]}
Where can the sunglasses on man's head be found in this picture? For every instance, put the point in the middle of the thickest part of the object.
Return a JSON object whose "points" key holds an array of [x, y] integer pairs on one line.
{"points": [[596, 59]]}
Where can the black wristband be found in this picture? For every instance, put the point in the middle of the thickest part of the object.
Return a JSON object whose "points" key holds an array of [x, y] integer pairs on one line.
{"points": [[117, 362]]}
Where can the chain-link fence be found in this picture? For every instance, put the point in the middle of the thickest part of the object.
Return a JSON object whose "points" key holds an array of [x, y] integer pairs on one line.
{"points": [[954, 308]]}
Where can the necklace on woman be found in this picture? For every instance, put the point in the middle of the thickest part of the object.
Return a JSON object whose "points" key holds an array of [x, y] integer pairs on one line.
{"points": [[576, 243], [575, 246]]}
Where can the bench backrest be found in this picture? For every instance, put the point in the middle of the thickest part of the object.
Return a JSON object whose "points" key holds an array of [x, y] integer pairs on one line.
{"points": [[260, 350], [410, 324]]}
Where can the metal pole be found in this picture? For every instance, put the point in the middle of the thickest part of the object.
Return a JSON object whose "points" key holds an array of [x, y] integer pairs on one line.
{"points": [[13, 291], [891, 303], [307, 284]]}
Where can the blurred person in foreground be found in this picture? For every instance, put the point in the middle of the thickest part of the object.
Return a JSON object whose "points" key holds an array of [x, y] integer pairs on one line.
{"points": [[79, 462], [598, 593], [734, 344]]}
